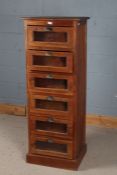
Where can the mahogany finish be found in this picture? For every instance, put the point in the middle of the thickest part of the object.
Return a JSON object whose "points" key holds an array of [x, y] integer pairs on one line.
{"points": [[56, 90]]}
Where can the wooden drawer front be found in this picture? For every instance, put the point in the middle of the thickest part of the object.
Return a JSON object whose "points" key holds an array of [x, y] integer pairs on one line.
{"points": [[50, 22], [51, 126], [49, 37], [50, 61], [69, 118], [48, 104], [51, 146], [51, 82]]}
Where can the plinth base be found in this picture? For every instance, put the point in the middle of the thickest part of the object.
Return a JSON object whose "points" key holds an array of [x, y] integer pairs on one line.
{"points": [[57, 162]]}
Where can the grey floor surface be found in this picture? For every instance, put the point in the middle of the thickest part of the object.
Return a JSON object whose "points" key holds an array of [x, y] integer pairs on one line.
{"points": [[101, 157]]}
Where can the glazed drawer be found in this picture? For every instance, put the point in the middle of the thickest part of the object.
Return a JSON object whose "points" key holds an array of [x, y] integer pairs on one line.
{"points": [[51, 104], [50, 61], [51, 126], [51, 146], [44, 37], [51, 82]]}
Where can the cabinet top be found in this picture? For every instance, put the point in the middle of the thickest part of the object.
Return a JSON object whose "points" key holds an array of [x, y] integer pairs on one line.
{"points": [[55, 18]]}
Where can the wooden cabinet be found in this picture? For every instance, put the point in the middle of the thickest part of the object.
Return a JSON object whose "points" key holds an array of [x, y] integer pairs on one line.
{"points": [[56, 90]]}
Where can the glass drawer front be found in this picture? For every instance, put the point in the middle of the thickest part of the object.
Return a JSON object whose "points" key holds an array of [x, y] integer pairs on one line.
{"points": [[50, 61], [51, 82], [51, 105], [50, 125], [50, 37], [41, 104], [52, 147]]}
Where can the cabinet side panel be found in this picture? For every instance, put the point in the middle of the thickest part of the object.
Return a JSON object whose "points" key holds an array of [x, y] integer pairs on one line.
{"points": [[80, 70]]}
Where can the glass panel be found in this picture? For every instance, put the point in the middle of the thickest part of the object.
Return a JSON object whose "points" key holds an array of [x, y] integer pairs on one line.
{"points": [[49, 61], [43, 145], [54, 127], [50, 36], [50, 83], [51, 105]]}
